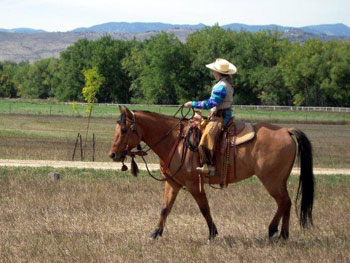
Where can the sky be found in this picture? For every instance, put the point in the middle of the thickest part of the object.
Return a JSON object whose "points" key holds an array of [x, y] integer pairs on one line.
{"points": [[65, 15]]}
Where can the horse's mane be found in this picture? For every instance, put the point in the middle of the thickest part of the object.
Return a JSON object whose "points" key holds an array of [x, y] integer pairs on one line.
{"points": [[157, 115]]}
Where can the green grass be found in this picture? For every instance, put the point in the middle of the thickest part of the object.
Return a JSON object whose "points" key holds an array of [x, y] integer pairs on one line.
{"points": [[46, 108]]}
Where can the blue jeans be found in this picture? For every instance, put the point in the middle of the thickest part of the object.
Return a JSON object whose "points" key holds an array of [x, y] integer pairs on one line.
{"points": [[226, 116]]}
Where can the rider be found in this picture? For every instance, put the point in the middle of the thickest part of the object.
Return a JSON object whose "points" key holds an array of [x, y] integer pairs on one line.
{"points": [[220, 104]]}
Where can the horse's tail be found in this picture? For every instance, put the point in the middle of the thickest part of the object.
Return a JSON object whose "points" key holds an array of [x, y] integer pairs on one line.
{"points": [[306, 180]]}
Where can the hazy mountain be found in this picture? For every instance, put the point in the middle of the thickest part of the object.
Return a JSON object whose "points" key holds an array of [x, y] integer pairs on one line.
{"points": [[339, 30], [138, 27], [255, 28], [329, 30], [18, 47], [32, 44], [22, 30]]}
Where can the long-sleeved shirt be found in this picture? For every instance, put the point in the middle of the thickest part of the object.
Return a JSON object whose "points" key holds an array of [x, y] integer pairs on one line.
{"points": [[217, 96]]}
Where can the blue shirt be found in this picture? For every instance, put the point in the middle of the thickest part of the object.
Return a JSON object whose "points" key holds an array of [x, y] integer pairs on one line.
{"points": [[217, 96]]}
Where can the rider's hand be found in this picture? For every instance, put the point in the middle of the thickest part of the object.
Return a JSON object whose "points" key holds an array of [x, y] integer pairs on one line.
{"points": [[188, 104]]}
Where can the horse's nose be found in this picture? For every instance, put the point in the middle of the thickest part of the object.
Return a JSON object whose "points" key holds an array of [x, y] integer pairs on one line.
{"points": [[112, 155]]}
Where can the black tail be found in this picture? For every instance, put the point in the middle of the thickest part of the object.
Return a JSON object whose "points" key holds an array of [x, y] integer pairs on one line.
{"points": [[306, 180]]}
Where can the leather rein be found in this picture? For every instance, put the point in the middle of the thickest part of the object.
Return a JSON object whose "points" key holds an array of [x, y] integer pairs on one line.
{"points": [[142, 151]]}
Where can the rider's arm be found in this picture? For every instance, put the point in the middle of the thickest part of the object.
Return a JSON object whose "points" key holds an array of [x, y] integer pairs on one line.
{"points": [[217, 96]]}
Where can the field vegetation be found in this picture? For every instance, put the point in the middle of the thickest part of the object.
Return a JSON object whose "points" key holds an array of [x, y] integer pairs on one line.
{"points": [[105, 216], [53, 108], [40, 137]]}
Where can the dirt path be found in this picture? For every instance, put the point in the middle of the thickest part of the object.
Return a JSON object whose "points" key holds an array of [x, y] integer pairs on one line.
{"points": [[117, 166]]}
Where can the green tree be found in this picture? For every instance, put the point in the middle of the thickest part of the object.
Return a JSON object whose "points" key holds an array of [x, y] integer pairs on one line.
{"points": [[73, 60], [159, 69], [41, 79], [336, 85], [8, 86], [303, 70], [107, 56]]}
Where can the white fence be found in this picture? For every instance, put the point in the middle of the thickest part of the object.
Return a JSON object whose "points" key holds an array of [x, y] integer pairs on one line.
{"points": [[291, 108], [246, 107]]}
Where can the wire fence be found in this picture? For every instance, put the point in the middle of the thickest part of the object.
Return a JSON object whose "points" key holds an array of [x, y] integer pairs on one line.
{"points": [[251, 113], [291, 108]]}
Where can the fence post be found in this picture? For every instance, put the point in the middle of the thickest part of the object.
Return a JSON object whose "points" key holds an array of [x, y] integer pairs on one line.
{"points": [[75, 146], [81, 148], [93, 147]]}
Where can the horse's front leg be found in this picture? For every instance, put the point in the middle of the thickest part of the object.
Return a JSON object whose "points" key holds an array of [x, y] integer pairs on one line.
{"points": [[170, 193], [202, 201]]}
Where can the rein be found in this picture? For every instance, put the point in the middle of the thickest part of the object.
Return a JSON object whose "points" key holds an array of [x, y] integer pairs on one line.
{"points": [[142, 151]]}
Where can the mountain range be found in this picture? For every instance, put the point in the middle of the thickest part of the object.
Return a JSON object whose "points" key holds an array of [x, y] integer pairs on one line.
{"points": [[339, 29], [33, 44]]}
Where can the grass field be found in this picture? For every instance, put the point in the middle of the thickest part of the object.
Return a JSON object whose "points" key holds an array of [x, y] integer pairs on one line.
{"points": [[104, 216], [38, 107], [42, 137]]}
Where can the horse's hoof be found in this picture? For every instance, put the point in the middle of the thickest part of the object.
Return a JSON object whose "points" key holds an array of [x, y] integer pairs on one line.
{"points": [[156, 233], [284, 235]]}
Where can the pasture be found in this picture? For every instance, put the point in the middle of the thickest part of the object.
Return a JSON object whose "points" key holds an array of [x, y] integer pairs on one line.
{"points": [[52, 108], [44, 137], [107, 216]]}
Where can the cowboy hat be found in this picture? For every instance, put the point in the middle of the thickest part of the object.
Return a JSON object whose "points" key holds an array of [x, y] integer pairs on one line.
{"points": [[222, 66]]}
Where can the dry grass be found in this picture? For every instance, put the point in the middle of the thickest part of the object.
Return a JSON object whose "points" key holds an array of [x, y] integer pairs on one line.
{"points": [[103, 216]]}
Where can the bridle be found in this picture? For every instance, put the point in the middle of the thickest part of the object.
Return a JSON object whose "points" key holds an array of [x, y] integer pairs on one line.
{"points": [[143, 151]]}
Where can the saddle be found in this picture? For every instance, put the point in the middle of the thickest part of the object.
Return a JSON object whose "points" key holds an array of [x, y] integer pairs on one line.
{"points": [[232, 135], [239, 132]]}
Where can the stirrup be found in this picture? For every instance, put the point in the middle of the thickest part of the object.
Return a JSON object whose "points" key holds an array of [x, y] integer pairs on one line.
{"points": [[208, 170]]}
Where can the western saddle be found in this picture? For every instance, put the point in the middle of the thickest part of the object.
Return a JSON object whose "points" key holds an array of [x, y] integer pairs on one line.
{"points": [[233, 134]]}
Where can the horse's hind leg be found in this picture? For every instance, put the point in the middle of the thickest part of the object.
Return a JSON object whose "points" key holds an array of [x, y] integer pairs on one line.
{"points": [[278, 190], [285, 220], [170, 193], [202, 201]]}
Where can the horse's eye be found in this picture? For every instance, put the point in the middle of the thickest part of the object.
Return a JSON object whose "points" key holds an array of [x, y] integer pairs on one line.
{"points": [[124, 130]]}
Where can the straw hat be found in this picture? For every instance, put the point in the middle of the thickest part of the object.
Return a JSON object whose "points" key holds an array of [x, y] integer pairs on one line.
{"points": [[222, 66]]}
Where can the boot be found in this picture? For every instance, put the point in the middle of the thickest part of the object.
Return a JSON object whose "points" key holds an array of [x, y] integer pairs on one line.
{"points": [[208, 170]]}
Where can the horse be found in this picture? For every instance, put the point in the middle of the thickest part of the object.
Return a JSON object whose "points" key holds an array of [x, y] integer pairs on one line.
{"points": [[270, 155]]}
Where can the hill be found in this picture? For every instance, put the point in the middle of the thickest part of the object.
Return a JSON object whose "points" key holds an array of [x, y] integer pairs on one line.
{"points": [[138, 27], [25, 44], [19, 47]]}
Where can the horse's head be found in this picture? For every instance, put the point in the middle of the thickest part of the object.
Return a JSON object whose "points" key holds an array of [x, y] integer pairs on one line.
{"points": [[126, 135]]}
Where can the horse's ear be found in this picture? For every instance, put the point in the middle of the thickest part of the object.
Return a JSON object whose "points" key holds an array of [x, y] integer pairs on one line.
{"points": [[128, 113], [121, 109]]}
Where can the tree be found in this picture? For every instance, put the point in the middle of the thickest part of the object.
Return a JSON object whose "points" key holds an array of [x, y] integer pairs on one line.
{"points": [[303, 71], [8, 87], [73, 60], [93, 82], [107, 56], [159, 67], [41, 79]]}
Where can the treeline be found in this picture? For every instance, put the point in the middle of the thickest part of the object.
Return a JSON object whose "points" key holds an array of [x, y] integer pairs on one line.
{"points": [[163, 70]]}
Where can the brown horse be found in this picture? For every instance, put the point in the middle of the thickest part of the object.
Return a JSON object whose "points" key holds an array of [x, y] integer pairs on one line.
{"points": [[270, 156]]}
